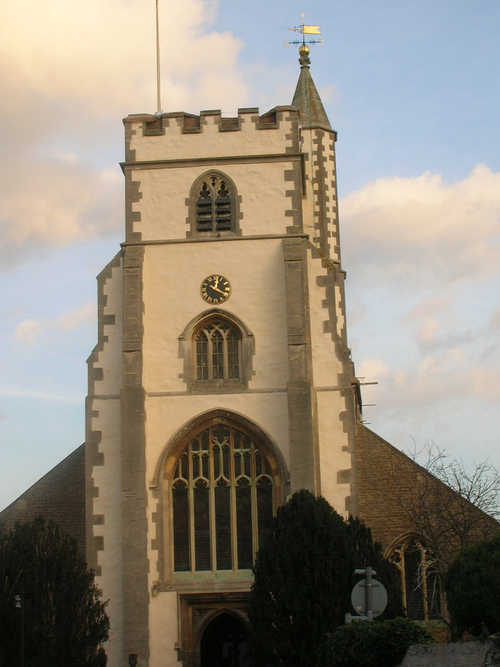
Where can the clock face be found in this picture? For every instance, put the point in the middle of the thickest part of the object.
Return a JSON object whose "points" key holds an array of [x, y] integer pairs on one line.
{"points": [[215, 289]]}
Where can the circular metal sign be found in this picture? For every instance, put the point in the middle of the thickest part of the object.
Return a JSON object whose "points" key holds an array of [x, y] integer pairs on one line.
{"points": [[378, 595]]}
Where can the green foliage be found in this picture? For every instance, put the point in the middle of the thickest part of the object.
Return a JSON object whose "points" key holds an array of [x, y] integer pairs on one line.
{"points": [[377, 644], [303, 580], [472, 587], [64, 620], [364, 551]]}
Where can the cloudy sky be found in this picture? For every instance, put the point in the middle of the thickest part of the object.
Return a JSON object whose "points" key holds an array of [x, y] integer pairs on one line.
{"points": [[412, 87]]}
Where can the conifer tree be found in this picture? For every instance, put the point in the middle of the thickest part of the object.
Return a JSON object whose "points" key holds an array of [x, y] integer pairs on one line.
{"points": [[303, 580], [60, 614]]}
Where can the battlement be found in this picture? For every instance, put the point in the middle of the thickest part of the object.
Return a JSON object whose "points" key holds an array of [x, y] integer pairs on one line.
{"points": [[178, 135]]}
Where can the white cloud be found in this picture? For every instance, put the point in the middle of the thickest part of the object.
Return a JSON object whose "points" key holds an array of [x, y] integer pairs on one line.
{"points": [[432, 380], [494, 322], [423, 229], [103, 53], [28, 330], [59, 202], [432, 317], [69, 73]]}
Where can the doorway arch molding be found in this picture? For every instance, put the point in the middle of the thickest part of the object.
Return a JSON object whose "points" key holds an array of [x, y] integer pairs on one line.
{"points": [[197, 611]]}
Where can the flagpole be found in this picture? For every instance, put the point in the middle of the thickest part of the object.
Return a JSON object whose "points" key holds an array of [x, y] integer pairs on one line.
{"points": [[158, 96]]}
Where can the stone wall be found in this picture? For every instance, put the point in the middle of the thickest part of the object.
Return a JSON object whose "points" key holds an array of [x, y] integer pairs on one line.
{"points": [[468, 654], [388, 479]]}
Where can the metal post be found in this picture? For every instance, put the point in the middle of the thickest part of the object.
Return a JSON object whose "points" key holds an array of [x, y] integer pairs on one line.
{"points": [[20, 605], [158, 96], [368, 594]]}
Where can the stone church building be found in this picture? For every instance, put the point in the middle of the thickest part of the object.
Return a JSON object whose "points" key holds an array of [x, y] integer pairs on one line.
{"points": [[221, 382]]}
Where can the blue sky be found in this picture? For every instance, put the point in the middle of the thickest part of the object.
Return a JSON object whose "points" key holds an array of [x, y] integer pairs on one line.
{"points": [[412, 89]]}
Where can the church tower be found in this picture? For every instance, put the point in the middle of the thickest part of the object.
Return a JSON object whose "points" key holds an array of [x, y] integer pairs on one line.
{"points": [[221, 381]]}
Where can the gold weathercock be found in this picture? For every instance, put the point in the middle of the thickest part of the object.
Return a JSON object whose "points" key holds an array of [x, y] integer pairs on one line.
{"points": [[304, 30]]}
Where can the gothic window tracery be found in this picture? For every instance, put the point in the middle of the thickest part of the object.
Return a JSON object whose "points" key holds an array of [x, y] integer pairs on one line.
{"points": [[214, 205], [217, 345], [419, 580], [222, 495]]}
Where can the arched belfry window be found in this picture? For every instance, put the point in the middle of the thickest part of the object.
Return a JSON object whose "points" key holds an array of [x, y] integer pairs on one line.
{"points": [[222, 496], [419, 579], [218, 351], [213, 201]]}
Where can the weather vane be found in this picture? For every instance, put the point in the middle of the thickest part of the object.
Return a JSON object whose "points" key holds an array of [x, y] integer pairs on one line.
{"points": [[304, 30]]}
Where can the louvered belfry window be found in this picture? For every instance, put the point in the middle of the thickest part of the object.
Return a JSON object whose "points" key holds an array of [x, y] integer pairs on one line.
{"points": [[214, 206], [222, 501]]}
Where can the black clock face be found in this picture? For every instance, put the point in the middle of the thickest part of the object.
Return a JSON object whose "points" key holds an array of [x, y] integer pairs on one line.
{"points": [[215, 289]]}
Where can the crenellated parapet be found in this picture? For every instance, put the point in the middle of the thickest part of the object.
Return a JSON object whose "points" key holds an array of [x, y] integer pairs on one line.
{"points": [[156, 137]]}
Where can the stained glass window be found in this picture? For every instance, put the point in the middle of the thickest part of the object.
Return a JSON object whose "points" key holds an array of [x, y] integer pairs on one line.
{"points": [[222, 501]]}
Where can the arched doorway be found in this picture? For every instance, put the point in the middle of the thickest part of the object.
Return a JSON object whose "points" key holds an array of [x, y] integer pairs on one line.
{"points": [[224, 643]]}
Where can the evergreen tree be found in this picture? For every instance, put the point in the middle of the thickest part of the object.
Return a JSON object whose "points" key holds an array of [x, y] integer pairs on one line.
{"points": [[472, 586], [364, 552], [303, 580], [64, 620]]}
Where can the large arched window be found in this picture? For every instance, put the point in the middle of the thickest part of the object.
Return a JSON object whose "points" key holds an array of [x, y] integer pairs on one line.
{"points": [[214, 205], [218, 351], [222, 498], [419, 579]]}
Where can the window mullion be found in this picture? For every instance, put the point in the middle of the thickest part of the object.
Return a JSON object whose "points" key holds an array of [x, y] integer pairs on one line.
{"points": [[191, 509], [234, 525], [423, 566], [214, 208], [402, 570], [211, 482], [225, 372], [210, 352], [253, 505]]}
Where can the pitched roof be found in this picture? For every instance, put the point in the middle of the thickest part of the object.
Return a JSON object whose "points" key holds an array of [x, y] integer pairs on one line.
{"points": [[58, 496]]}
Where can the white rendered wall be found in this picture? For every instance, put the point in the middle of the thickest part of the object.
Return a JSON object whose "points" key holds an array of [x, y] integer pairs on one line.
{"points": [[261, 188], [104, 405]]}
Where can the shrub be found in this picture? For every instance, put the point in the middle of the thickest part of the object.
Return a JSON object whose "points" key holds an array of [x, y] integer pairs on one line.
{"points": [[473, 588], [377, 644]]}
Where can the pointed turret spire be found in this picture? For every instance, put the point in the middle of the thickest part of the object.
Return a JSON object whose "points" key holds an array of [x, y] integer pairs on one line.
{"points": [[306, 98]]}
